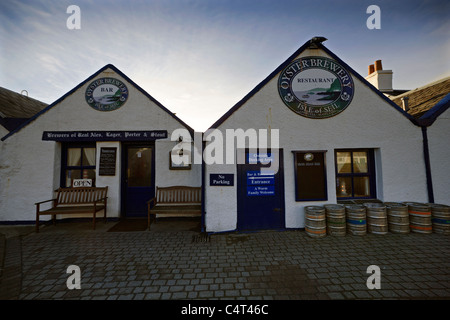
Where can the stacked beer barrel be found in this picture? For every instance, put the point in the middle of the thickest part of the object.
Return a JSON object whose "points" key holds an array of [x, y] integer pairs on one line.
{"points": [[356, 219], [377, 221], [377, 218], [419, 217], [336, 224], [440, 218], [398, 217], [315, 223]]}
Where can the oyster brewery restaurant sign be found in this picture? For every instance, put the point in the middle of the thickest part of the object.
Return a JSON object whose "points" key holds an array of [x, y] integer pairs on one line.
{"points": [[316, 87]]}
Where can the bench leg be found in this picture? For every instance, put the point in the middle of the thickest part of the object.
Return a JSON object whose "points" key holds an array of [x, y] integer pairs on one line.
{"points": [[94, 220]]}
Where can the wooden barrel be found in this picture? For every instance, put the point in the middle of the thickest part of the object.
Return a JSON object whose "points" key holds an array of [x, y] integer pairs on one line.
{"points": [[356, 219], [419, 217], [315, 222], [440, 218], [398, 217], [336, 225], [377, 222]]}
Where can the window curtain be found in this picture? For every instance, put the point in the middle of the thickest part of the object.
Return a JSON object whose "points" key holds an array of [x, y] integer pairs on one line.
{"points": [[344, 162], [89, 154], [73, 157]]}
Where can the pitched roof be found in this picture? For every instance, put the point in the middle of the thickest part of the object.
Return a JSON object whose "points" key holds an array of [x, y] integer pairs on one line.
{"points": [[422, 99], [317, 45], [16, 108], [108, 66], [15, 105]]}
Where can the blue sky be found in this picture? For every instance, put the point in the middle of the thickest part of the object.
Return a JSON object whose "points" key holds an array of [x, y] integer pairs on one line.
{"points": [[199, 57]]}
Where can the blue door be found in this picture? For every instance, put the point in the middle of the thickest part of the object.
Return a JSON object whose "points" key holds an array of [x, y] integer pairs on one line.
{"points": [[260, 195], [138, 179]]}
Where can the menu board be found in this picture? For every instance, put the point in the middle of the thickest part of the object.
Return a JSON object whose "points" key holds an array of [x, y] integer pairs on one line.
{"points": [[107, 165], [310, 176]]}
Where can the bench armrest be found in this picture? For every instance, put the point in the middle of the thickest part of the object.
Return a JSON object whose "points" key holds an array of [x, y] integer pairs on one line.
{"points": [[45, 201], [151, 200]]}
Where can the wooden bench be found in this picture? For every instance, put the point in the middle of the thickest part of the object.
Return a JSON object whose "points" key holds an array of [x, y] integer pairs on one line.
{"points": [[176, 201], [74, 201]]}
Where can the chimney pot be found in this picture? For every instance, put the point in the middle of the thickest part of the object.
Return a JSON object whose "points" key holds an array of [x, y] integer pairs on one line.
{"points": [[405, 105], [371, 69], [378, 65]]}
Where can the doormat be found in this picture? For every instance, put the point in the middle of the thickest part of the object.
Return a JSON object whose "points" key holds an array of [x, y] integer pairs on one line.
{"points": [[129, 225]]}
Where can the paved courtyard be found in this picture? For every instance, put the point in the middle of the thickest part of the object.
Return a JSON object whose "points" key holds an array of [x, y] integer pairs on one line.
{"points": [[161, 265]]}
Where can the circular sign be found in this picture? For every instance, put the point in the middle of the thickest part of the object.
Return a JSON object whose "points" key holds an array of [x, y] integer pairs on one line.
{"points": [[308, 157], [316, 87], [106, 94]]}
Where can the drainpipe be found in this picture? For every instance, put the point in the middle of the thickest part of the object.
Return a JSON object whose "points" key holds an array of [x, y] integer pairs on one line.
{"points": [[426, 154], [203, 229]]}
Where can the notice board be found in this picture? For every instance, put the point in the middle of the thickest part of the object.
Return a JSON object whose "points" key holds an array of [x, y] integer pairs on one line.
{"points": [[107, 165], [310, 176]]}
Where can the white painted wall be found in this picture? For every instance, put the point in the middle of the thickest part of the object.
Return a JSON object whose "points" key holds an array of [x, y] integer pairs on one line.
{"points": [[368, 122], [438, 143], [30, 167]]}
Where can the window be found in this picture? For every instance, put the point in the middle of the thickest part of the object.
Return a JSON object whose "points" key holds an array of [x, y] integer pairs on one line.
{"points": [[355, 174], [78, 162]]}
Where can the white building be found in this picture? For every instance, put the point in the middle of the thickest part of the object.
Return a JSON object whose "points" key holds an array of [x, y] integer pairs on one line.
{"points": [[107, 114], [340, 139], [332, 137]]}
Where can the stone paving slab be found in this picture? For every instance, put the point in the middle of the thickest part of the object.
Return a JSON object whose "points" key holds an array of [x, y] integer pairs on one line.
{"points": [[269, 265]]}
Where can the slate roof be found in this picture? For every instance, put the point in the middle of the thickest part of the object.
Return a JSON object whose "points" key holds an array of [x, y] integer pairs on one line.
{"points": [[424, 98], [17, 108], [16, 105]]}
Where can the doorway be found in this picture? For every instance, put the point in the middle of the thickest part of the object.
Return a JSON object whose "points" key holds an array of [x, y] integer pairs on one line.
{"points": [[260, 196], [138, 178]]}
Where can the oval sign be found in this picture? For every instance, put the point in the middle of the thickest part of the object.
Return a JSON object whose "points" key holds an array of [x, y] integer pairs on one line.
{"points": [[106, 94], [316, 87]]}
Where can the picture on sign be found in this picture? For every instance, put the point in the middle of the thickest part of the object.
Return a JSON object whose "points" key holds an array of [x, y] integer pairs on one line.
{"points": [[316, 87], [106, 94], [107, 164], [310, 176]]}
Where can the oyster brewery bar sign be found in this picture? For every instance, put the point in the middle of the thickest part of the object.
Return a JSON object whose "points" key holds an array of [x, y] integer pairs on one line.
{"points": [[316, 87], [106, 94]]}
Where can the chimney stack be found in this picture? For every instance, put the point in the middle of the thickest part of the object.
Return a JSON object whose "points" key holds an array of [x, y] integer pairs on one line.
{"points": [[379, 78]]}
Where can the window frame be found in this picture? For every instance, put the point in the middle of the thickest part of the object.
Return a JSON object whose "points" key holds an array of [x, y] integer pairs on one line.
{"points": [[64, 157], [370, 173]]}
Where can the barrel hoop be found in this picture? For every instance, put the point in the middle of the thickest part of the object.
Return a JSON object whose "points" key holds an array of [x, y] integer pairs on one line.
{"points": [[420, 228], [356, 221], [421, 213], [316, 232], [443, 221]]}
